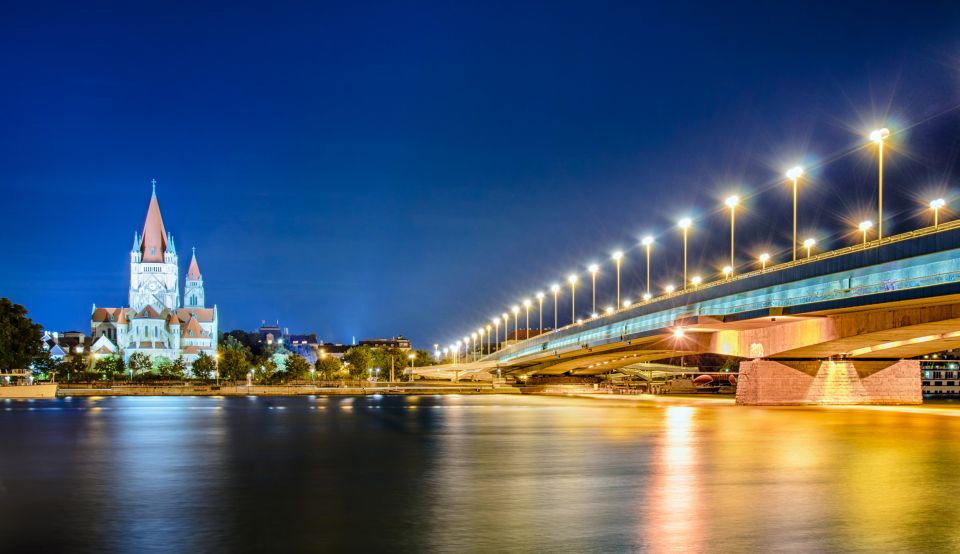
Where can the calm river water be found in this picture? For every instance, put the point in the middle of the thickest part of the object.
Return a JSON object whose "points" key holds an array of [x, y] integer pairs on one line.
{"points": [[473, 474]]}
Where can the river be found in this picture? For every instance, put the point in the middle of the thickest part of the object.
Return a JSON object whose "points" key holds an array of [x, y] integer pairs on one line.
{"points": [[473, 474]]}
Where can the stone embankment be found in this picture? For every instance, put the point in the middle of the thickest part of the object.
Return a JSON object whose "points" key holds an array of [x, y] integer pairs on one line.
{"points": [[280, 390]]}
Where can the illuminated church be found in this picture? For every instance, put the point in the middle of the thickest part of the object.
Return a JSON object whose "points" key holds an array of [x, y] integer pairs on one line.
{"points": [[155, 323]]}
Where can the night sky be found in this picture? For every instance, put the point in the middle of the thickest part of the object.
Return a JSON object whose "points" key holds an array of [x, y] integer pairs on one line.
{"points": [[372, 169]]}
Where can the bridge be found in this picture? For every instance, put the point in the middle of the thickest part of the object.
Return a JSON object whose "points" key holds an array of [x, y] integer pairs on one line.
{"points": [[836, 327]]}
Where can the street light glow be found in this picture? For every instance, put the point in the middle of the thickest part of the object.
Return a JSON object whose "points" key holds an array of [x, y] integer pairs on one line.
{"points": [[554, 288], [572, 279], [685, 223], [879, 135], [647, 296], [865, 226], [669, 288], [727, 270], [764, 258], [647, 240], [617, 256], [794, 172], [696, 280], [732, 201]]}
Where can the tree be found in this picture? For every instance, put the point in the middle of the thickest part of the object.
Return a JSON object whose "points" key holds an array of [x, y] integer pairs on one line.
{"points": [[359, 358], [203, 366], [297, 366], [19, 336], [265, 370], [74, 366], [45, 365], [139, 363], [110, 366], [234, 359], [170, 369], [422, 358], [178, 369], [328, 368]]}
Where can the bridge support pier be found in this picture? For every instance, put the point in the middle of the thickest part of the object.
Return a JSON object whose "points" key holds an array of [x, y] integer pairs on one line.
{"points": [[828, 382]]}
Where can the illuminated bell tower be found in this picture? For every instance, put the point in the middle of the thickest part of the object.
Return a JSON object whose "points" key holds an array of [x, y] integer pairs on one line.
{"points": [[193, 290], [154, 273]]}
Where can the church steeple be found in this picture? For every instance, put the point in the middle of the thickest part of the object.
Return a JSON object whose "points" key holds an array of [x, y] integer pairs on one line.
{"points": [[153, 244], [193, 291]]}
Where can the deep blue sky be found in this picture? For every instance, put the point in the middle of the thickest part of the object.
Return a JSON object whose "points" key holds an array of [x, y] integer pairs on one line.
{"points": [[372, 169]]}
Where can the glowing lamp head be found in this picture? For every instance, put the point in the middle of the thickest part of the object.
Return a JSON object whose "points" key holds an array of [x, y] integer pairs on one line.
{"points": [[647, 296], [539, 296], [732, 201], [696, 280], [865, 226], [504, 316], [515, 309], [609, 310], [794, 172], [466, 340], [480, 331], [647, 241], [488, 328], [879, 135], [764, 258], [473, 336], [617, 256], [554, 288], [937, 204], [669, 288], [572, 279], [627, 303], [526, 302], [727, 270], [809, 243], [685, 223], [594, 315], [678, 333], [593, 268]]}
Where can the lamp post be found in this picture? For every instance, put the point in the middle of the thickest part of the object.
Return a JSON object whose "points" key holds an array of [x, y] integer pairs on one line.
{"points": [[794, 174], [593, 269], [572, 279], [555, 289], [496, 333], [526, 308], [727, 271], [618, 259], [489, 346], [480, 334], [647, 243], [540, 302], [809, 244], [878, 136], [864, 227], [466, 357], [764, 258], [696, 280], [473, 346], [516, 321], [506, 325], [684, 224], [732, 202], [935, 206]]}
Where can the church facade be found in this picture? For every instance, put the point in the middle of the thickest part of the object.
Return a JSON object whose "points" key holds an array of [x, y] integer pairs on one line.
{"points": [[155, 323]]}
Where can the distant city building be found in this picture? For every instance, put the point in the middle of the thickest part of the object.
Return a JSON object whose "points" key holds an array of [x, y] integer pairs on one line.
{"points": [[941, 374], [395, 342], [155, 323], [305, 345]]}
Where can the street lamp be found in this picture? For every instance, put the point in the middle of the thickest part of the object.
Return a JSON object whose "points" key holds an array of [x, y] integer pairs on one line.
{"points": [[627, 302], [555, 289], [593, 269], [572, 279], [696, 281], [526, 308], [684, 224], [489, 346], [864, 227], [506, 324], [480, 334], [935, 206], [794, 174], [647, 243], [878, 136], [727, 271], [516, 321], [647, 296], [496, 333], [764, 258], [618, 258], [732, 202], [669, 289], [540, 302], [609, 310], [809, 244], [466, 340]]}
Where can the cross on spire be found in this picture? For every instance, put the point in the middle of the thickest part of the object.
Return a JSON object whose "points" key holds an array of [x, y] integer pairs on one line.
{"points": [[154, 183]]}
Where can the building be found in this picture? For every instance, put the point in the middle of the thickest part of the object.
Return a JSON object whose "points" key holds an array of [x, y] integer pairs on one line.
{"points": [[941, 374], [395, 342], [155, 323], [304, 344]]}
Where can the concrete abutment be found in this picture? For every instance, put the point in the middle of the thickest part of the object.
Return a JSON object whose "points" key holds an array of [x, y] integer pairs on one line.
{"points": [[829, 382]]}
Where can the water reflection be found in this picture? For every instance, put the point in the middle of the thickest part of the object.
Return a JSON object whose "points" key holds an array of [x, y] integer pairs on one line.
{"points": [[472, 473]]}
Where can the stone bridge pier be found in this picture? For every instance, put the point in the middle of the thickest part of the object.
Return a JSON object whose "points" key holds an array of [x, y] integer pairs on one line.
{"points": [[829, 382]]}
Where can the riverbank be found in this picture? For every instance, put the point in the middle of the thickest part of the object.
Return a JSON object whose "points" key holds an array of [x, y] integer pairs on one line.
{"points": [[282, 390]]}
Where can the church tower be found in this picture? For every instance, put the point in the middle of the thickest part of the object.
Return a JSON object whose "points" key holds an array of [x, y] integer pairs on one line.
{"points": [[154, 274], [193, 291]]}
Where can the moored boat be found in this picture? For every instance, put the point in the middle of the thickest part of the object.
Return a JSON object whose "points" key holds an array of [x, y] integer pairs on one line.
{"points": [[16, 384]]}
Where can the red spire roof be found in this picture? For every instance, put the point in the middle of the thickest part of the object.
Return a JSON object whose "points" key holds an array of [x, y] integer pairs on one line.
{"points": [[193, 273], [154, 242]]}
